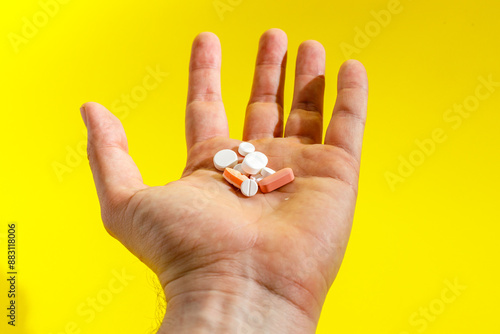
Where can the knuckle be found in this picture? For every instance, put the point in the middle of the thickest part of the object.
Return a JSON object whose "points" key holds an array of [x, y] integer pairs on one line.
{"points": [[309, 106], [354, 115]]}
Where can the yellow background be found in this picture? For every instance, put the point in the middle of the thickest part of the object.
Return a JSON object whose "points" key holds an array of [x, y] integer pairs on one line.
{"points": [[440, 225]]}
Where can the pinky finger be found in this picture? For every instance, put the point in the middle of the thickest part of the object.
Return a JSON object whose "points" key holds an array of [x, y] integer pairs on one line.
{"points": [[348, 120]]}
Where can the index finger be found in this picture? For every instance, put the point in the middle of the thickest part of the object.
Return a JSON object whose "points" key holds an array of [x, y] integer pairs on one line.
{"points": [[205, 115]]}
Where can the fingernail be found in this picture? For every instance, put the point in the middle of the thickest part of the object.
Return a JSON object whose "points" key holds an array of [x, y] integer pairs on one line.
{"points": [[84, 114]]}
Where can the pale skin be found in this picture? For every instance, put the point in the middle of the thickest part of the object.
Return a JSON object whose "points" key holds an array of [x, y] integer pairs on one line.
{"points": [[228, 263]]}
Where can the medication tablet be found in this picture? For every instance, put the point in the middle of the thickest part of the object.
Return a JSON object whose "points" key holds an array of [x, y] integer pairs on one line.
{"points": [[254, 162], [278, 179], [239, 169], [234, 177], [266, 171], [258, 178], [245, 148], [249, 187], [225, 158]]}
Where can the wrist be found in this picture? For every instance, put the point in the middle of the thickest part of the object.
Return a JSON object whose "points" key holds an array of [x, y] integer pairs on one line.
{"points": [[227, 303]]}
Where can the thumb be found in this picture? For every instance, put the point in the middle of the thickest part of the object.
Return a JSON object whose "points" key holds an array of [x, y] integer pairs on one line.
{"points": [[116, 176]]}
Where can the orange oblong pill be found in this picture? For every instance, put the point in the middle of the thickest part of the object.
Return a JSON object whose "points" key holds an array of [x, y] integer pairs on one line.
{"points": [[276, 180], [234, 177]]}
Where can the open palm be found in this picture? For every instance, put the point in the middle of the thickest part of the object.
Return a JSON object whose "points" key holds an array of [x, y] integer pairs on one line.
{"points": [[199, 232]]}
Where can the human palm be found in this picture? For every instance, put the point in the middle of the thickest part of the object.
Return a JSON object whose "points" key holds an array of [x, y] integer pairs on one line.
{"points": [[199, 232]]}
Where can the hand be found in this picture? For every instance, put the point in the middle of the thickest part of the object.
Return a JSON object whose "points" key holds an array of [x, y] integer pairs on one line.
{"points": [[227, 262]]}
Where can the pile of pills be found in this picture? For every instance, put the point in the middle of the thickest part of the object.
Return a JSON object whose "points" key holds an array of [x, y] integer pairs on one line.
{"points": [[252, 173]]}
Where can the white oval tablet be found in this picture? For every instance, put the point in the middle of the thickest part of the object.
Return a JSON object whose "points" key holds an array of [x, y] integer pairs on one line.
{"points": [[245, 148], [266, 171], [225, 158], [249, 187], [254, 162], [240, 169], [258, 177]]}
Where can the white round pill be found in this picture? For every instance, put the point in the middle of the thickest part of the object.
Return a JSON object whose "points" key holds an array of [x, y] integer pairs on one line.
{"points": [[245, 148], [225, 158], [254, 162], [266, 171], [239, 169], [249, 187]]}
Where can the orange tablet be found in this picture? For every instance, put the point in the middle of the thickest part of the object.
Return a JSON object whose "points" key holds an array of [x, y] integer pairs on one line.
{"points": [[234, 177], [276, 180]]}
